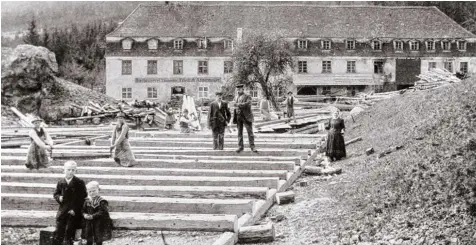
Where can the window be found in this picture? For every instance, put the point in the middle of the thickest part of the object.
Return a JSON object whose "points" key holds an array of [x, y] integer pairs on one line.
{"points": [[178, 67], [178, 44], [350, 66], [449, 66], [350, 44], [152, 67], [351, 91], [126, 93], [152, 44], [430, 45], [254, 92], [228, 66], [228, 44], [326, 45], [463, 67], [152, 93], [461, 45], [302, 44], [127, 44], [203, 67], [126, 67], [326, 66], [202, 43], [326, 90], [445, 45], [378, 67], [398, 46], [414, 45], [202, 92], [376, 45], [431, 66], [302, 66]]}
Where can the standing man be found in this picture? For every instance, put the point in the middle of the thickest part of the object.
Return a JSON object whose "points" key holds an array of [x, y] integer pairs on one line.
{"points": [[289, 102], [218, 118], [244, 116]]}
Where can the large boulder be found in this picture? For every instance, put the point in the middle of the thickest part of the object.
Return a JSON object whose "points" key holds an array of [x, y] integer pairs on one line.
{"points": [[28, 76]]}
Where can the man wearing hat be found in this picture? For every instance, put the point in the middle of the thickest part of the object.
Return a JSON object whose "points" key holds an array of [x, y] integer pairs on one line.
{"points": [[289, 102], [244, 116], [218, 118]]}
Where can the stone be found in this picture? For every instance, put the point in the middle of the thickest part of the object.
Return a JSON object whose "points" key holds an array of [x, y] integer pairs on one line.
{"points": [[369, 151], [278, 218], [303, 183], [96, 120], [356, 111]]}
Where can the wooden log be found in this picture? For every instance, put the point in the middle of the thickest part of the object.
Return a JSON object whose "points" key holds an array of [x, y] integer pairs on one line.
{"points": [[313, 170], [22, 117], [133, 221], [257, 233], [353, 140], [285, 197], [83, 118], [46, 235]]}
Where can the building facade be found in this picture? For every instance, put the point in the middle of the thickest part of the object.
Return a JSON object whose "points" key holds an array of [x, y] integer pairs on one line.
{"points": [[165, 49]]}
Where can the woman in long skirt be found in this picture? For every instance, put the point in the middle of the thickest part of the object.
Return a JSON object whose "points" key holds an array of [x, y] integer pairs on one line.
{"points": [[120, 141], [265, 110], [40, 142], [335, 147]]}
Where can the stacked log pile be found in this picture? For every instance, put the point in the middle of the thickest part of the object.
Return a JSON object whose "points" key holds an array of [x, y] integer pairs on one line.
{"points": [[435, 78]]}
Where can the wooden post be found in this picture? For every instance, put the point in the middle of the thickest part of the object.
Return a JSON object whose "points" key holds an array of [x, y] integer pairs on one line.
{"points": [[257, 233], [285, 197]]}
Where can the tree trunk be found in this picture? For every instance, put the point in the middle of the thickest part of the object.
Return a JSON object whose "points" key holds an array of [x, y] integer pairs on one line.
{"points": [[257, 233]]}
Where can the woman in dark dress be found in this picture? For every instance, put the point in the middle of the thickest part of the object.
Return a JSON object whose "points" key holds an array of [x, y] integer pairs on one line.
{"points": [[335, 147]]}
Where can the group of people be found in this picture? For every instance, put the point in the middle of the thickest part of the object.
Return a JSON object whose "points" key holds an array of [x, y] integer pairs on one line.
{"points": [[265, 107]]}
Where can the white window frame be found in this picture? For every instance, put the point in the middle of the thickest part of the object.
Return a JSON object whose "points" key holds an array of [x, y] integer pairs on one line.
{"points": [[396, 44], [353, 68], [324, 44], [326, 66], [458, 44], [302, 44], [379, 45], [431, 65], [202, 67], [148, 67], [227, 66], [178, 44], [432, 48], [414, 45], [228, 44], [153, 44], [448, 49], [152, 93], [383, 64], [175, 66], [127, 44], [123, 67], [352, 44], [461, 66], [203, 92], [254, 92], [202, 43], [127, 93], [449, 64], [302, 66]]}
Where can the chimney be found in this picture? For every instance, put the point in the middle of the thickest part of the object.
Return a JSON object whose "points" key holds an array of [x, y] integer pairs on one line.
{"points": [[239, 35]]}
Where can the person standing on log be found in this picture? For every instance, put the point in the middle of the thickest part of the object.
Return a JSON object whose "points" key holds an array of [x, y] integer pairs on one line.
{"points": [[41, 142], [335, 147], [289, 102], [120, 141], [219, 116], [244, 116]]}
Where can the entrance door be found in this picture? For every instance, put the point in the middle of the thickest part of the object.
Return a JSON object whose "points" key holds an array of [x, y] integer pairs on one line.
{"points": [[406, 72], [178, 90]]}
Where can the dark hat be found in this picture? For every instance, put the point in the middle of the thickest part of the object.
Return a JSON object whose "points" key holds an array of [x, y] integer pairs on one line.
{"points": [[240, 85], [290, 92], [121, 114]]}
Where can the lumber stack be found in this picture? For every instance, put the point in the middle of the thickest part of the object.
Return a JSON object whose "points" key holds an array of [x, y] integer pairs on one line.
{"points": [[435, 78], [179, 182]]}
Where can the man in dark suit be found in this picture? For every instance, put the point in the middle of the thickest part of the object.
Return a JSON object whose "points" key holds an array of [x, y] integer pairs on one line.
{"points": [[70, 194], [244, 116], [218, 118]]}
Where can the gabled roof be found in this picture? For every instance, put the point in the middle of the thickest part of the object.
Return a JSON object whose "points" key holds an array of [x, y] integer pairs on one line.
{"points": [[293, 20]]}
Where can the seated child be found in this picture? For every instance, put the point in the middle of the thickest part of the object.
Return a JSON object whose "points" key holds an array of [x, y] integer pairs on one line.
{"points": [[70, 193], [185, 122], [97, 223]]}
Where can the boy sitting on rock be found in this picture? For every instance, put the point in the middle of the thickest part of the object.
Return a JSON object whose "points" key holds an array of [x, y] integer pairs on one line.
{"points": [[97, 223], [70, 193]]}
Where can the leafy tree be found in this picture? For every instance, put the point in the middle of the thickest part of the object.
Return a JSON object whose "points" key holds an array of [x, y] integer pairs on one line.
{"points": [[46, 38], [32, 37], [264, 61]]}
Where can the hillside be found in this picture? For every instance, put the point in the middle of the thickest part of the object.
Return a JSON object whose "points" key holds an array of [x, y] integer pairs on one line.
{"points": [[423, 193]]}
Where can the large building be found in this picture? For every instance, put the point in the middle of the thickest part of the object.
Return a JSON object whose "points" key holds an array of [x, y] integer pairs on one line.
{"points": [[163, 49]]}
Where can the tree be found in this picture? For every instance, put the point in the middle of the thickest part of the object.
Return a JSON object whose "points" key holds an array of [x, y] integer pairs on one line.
{"points": [[32, 37], [46, 38], [265, 61]]}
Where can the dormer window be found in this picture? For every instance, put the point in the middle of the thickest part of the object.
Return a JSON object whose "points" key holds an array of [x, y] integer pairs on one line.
{"points": [[326, 45], [461, 45], [376, 45], [302, 44], [445, 45], [398, 46], [430, 45], [228, 44], [350, 44], [152, 44], [202, 43], [127, 44], [414, 45], [178, 44]]}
